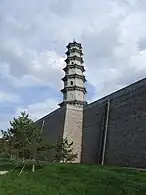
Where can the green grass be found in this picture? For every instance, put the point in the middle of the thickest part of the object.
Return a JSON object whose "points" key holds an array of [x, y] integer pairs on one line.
{"points": [[75, 179]]}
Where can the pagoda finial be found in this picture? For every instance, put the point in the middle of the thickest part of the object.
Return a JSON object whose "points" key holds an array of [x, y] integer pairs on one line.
{"points": [[74, 40]]}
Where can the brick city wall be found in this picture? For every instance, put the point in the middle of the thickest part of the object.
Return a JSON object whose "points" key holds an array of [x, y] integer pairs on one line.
{"points": [[92, 125], [53, 127], [64, 122], [126, 137]]}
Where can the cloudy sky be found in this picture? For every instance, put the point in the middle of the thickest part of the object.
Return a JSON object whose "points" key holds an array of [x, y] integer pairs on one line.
{"points": [[33, 37]]}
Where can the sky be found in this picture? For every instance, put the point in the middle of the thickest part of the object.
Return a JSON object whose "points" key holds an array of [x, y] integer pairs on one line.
{"points": [[33, 39]]}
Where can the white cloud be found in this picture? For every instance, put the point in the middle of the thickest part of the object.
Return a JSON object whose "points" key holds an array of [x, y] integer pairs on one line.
{"points": [[9, 97], [31, 68], [39, 109], [34, 35]]}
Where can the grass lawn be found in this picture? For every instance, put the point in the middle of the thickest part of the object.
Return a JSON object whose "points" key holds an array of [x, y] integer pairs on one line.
{"points": [[75, 179]]}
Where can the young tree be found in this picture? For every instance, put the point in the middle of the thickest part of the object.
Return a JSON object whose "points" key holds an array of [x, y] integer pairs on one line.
{"points": [[64, 151], [24, 140]]}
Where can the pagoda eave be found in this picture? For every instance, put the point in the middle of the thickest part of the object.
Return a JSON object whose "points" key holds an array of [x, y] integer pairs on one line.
{"points": [[71, 88], [74, 76], [74, 66], [73, 102], [74, 58], [73, 45], [74, 50]]}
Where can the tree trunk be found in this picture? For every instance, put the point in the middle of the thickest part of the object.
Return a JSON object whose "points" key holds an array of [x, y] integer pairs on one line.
{"points": [[33, 168], [23, 167]]}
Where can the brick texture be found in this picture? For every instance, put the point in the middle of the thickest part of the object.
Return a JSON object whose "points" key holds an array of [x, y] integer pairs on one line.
{"points": [[126, 143], [53, 127], [91, 139], [64, 122], [126, 138]]}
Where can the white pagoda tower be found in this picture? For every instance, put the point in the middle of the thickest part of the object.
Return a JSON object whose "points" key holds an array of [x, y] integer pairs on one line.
{"points": [[74, 79]]}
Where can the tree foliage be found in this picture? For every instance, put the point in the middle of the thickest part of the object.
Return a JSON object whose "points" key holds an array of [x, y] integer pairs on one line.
{"points": [[64, 151], [24, 140]]}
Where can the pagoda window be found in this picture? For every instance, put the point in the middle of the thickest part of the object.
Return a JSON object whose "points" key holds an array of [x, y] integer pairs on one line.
{"points": [[71, 82]]}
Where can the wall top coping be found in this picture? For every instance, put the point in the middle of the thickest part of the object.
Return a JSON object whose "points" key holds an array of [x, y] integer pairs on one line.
{"points": [[133, 88]]}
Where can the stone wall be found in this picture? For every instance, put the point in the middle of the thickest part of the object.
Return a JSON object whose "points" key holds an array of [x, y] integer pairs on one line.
{"points": [[126, 137], [64, 122], [73, 128]]}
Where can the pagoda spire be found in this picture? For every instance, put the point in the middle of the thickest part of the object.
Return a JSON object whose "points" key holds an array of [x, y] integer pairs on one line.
{"points": [[74, 90]]}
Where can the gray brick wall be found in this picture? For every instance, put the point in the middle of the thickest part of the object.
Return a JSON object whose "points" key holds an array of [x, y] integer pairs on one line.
{"points": [[92, 125], [126, 142], [53, 127], [64, 122]]}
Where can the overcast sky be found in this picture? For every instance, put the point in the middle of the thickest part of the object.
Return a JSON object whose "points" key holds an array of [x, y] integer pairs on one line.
{"points": [[33, 37]]}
